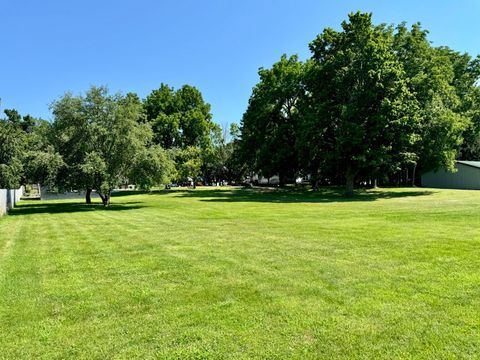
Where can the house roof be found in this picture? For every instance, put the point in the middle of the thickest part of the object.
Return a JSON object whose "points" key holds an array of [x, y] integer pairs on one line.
{"points": [[475, 164]]}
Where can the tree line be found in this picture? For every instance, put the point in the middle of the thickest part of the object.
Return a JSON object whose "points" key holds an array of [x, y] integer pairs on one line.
{"points": [[373, 103], [99, 141]]}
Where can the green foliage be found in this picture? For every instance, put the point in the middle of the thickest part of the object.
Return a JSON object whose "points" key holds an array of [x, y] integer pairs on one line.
{"points": [[42, 166], [189, 162], [25, 154], [151, 167], [220, 160], [372, 102], [269, 124], [359, 96], [179, 118], [441, 81], [12, 147], [99, 136]]}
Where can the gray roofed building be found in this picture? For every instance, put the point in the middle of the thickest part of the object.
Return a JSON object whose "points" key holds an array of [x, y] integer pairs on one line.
{"points": [[467, 176]]}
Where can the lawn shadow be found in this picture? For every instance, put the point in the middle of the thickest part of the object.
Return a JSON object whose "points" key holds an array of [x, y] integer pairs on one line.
{"points": [[69, 207], [123, 193], [297, 195]]}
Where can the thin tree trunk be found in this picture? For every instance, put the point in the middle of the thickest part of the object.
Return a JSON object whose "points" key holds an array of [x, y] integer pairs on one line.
{"points": [[105, 199], [349, 185], [315, 182], [350, 180], [413, 174], [88, 196]]}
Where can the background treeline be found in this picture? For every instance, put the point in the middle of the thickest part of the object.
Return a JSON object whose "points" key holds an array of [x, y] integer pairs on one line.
{"points": [[98, 141], [373, 103]]}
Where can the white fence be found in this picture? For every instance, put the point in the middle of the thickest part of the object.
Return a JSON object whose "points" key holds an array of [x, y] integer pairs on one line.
{"points": [[8, 199]]}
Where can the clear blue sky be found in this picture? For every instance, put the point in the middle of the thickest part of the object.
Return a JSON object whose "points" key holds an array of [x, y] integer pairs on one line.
{"points": [[49, 47]]}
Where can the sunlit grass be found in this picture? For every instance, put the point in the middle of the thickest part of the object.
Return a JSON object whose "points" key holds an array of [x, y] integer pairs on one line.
{"points": [[230, 273]]}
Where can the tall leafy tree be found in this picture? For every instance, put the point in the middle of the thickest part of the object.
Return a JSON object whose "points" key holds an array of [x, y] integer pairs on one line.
{"points": [[152, 166], [25, 155], [12, 148], [42, 162], [189, 163], [466, 72], [440, 80], [179, 118], [359, 95], [221, 161], [470, 149], [269, 124], [99, 136]]}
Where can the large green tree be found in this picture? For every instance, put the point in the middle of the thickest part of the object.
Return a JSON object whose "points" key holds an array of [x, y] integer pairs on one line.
{"points": [[12, 148], [269, 124], [181, 121], [441, 81], [25, 154], [189, 163], [179, 118], [42, 162], [359, 98], [220, 162], [100, 138]]}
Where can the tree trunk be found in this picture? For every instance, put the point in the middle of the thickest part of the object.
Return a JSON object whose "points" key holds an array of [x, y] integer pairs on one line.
{"points": [[413, 175], [315, 178], [88, 196], [282, 179], [315, 183], [105, 199], [375, 184], [349, 185], [350, 179]]}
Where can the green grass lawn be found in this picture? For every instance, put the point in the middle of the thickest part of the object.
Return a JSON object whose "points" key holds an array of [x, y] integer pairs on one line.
{"points": [[230, 273]]}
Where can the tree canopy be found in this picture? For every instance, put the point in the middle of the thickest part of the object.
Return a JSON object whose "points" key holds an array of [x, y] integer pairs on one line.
{"points": [[374, 101], [179, 118], [12, 147], [101, 140], [270, 122]]}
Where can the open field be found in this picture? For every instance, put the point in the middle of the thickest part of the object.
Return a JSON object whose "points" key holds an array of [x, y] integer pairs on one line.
{"points": [[230, 273]]}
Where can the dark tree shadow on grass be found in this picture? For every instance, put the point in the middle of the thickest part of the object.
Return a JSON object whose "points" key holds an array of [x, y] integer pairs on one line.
{"points": [[123, 193], [69, 207], [296, 195]]}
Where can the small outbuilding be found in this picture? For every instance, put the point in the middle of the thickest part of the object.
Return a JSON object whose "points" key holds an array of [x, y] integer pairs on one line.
{"points": [[467, 176]]}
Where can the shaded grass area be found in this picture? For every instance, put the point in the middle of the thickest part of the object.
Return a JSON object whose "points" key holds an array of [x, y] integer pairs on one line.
{"points": [[232, 273], [71, 207], [297, 195]]}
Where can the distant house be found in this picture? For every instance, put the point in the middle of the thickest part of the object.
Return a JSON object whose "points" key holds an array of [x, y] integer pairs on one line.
{"points": [[467, 176], [260, 180]]}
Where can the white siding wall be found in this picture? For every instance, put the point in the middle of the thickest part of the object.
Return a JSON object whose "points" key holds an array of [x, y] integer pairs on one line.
{"points": [[9, 198], [18, 194], [3, 201]]}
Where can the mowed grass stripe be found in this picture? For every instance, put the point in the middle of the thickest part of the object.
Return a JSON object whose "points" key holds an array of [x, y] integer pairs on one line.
{"points": [[245, 274]]}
